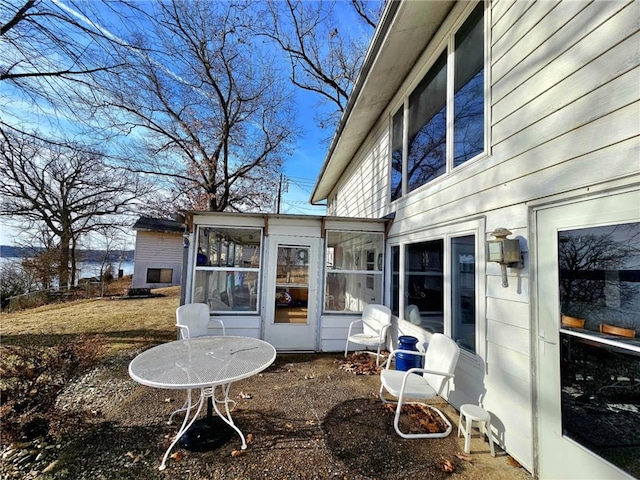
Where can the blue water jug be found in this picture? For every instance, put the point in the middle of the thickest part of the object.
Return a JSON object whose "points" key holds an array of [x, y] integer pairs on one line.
{"points": [[406, 361]]}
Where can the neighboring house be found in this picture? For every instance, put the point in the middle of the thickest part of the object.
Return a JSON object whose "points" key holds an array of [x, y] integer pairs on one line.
{"points": [[469, 117], [158, 254]]}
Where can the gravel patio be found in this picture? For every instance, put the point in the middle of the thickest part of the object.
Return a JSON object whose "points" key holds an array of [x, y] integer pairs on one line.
{"points": [[307, 417]]}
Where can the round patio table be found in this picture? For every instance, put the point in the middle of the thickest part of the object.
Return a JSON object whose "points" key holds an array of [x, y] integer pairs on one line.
{"points": [[205, 363]]}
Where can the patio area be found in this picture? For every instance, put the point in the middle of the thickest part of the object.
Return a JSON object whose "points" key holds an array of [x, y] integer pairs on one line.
{"points": [[305, 417]]}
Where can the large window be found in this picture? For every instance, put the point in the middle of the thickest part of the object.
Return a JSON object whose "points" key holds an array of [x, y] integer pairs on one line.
{"points": [[599, 289], [228, 268], [354, 270], [424, 153], [434, 285]]}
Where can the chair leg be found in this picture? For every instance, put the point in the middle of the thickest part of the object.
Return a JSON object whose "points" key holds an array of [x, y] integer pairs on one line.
{"points": [[489, 434]]}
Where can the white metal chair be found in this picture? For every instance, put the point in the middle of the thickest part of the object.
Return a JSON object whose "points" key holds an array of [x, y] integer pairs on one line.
{"points": [[440, 361], [376, 320], [193, 320]]}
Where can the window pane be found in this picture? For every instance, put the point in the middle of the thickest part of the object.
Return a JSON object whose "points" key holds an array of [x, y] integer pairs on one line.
{"points": [[350, 292], [395, 280], [463, 292], [428, 127], [228, 247], [353, 250], [599, 288], [159, 275], [227, 290], [396, 155], [424, 283], [469, 88]]}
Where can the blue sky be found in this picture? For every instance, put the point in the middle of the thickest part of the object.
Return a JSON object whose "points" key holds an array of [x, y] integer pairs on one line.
{"points": [[303, 166]]}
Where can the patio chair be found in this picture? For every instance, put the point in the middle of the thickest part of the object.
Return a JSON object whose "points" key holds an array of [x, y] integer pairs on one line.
{"points": [[376, 320], [193, 320], [439, 365]]}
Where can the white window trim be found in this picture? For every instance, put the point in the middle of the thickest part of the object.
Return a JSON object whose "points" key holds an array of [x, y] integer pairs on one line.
{"points": [[447, 232], [447, 42]]}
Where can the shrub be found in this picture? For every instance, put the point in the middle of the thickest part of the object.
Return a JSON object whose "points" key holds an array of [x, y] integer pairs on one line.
{"points": [[31, 378]]}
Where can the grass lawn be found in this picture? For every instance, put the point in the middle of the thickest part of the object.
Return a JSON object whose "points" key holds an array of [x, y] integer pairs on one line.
{"points": [[122, 324]]}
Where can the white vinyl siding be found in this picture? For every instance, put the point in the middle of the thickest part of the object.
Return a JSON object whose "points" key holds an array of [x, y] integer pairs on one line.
{"points": [[157, 250], [563, 109]]}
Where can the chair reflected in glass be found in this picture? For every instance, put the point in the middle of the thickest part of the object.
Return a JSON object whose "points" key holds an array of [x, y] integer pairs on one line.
{"points": [[618, 331], [572, 322]]}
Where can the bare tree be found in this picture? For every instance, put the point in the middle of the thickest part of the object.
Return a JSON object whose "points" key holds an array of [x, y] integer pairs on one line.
{"points": [[203, 104], [49, 53], [67, 191], [324, 57]]}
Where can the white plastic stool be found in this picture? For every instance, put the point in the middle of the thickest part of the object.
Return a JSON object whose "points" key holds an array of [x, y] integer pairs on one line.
{"points": [[474, 413]]}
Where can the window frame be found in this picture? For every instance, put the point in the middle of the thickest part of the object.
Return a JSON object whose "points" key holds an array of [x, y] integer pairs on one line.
{"points": [[447, 45], [258, 271], [475, 227], [363, 267]]}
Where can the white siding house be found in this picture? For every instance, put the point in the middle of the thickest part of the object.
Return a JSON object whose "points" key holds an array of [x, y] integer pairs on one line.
{"points": [[473, 116], [158, 254]]}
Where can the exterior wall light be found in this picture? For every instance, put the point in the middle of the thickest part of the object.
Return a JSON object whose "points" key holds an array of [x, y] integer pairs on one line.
{"points": [[505, 251]]}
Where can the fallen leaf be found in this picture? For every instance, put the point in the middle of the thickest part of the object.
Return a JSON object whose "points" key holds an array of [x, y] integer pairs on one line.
{"points": [[250, 438], [446, 465], [168, 400], [288, 426], [465, 457], [309, 376], [236, 453], [176, 456], [245, 395], [513, 462], [130, 454], [311, 422]]}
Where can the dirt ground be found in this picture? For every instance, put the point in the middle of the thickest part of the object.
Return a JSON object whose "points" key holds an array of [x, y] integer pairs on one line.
{"points": [[306, 418]]}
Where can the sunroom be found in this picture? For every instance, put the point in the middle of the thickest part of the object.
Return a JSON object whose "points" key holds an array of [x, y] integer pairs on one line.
{"points": [[295, 281]]}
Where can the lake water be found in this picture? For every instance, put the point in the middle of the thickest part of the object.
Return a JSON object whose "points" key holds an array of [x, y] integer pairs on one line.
{"points": [[87, 269]]}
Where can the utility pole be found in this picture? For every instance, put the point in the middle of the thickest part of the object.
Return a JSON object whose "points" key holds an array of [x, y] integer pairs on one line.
{"points": [[279, 195]]}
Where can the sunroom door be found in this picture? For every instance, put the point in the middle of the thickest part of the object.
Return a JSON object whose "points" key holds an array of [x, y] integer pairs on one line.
{"points": [[588, 380], [291, 309]]}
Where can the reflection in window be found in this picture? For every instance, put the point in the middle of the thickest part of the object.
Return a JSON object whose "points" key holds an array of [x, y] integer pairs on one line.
{"points": [[600, 358], [228, 268], [354, 270], [463, 292], [396, 154], [395, 280], [427, 153], [469, 88], [424, 287]]}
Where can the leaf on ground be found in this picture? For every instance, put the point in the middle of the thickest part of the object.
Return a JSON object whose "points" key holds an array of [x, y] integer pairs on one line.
{"points": [[245, 395], [250, 438], [176, 456], [288, 426], [237, 453], [465, 457], [446, 465], [513, 462]]}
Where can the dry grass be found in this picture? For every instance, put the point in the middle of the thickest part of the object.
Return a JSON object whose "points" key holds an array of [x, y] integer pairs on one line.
{"points": [[123, 324]]}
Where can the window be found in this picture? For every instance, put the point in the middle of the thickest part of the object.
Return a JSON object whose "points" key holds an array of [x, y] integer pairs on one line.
{"points": [[159, 275], [463, 292], [228, 268], [354, 270], [427, 148], [425, 153], [424, 284], [599, 286], [435, 283]]}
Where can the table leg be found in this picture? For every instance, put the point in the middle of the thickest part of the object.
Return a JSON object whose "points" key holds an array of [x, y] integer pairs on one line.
{"points": [[186, 424], [226, 416]]}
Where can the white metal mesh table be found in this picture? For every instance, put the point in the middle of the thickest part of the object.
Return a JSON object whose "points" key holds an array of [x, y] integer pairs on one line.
{"points": [[207, 363]]}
